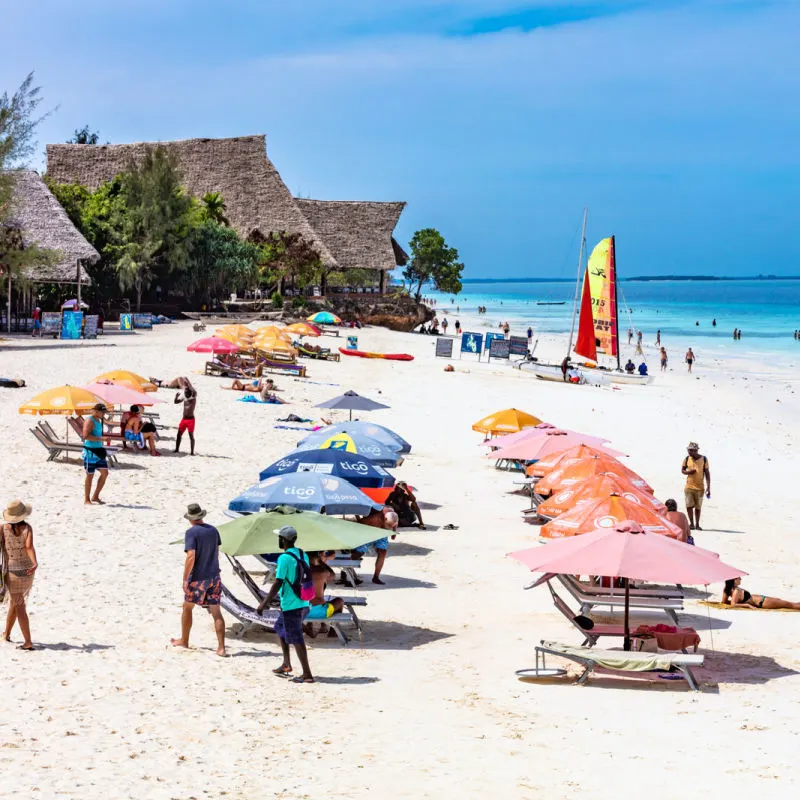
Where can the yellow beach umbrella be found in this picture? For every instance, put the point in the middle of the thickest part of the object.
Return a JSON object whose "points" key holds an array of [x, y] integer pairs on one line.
{"points": [[277, 346], [61, 400], [302, 329], [510, 420], [126, 378], [273, 331]]}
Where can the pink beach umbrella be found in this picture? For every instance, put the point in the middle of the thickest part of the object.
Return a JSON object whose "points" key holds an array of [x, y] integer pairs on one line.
{"points": [[551, 440], [628, 551], [115, 394], [531, 434], [212, 344]]}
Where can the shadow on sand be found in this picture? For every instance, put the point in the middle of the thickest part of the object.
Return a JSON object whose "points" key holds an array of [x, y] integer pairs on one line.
{"points": [[408, 549], [92, 647]]}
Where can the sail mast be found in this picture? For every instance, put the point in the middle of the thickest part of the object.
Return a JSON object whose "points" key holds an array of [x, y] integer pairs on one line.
{"points": [[578, 282], [616, 298]]}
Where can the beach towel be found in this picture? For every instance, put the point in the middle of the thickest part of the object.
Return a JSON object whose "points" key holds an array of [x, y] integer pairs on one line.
{"points": [[298, 427], [251, 398], [726, 607]]}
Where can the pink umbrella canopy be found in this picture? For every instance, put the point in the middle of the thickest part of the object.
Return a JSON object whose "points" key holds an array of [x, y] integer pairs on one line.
{"points": [[628, 551], [115, 394], [213, 344], [530, 434], [548, 441]]}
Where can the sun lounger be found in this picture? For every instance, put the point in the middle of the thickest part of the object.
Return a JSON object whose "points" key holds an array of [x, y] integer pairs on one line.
{"points": [[282, 367], [55, 446], [220, 370], [650, 590], [621, 660], [324, 355], [247, 615], [77, 426], [329, 331], [616, 600]]}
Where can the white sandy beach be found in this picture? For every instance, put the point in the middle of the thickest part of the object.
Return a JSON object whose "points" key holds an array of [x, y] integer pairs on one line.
{"points": [[428, 704]]}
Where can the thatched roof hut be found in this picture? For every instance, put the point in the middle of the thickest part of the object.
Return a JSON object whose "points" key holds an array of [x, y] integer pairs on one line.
{"points": [[359, 234], [42, 221], [257, 200]]}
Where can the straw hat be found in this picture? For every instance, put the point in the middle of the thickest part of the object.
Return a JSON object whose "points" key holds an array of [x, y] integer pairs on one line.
{"points": [[16, 511], [194, 512]]}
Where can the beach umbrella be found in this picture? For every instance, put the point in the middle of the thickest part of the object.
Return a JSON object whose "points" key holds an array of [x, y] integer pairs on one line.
{"points": [[527, 434], [548, 442], [598, 486], [325, 318], [127, 378], [255, 534], [64, 400], [278, 347], [383, 435], [626, 550], [509, 420], [213, 344], [381, 494], [303, 329], [351, 401], [356, 469], [372, 449], [273, 332], [558, 459], [72, 303], [310, 491], [236, 337], [572, 473], [117, 394], [606, 512]]}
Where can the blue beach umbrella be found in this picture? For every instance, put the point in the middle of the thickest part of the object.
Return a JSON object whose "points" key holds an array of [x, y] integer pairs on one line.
{"points": [[356, 469], [380, 433], [364, 446], [309, 491]]}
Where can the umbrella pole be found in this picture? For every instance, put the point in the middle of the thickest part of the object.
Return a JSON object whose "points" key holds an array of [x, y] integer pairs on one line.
{"points": [[627, 641]]}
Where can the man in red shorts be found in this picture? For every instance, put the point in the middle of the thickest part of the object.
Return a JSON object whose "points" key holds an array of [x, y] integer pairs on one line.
{"points": [[202, 585], [189, 401]]}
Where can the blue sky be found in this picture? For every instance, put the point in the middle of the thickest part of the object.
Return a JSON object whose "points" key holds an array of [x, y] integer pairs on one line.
{"points": [[676, 121]]}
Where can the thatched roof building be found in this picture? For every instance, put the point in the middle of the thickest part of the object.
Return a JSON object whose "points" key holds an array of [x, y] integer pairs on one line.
{"points": [[42, 221], [359, 234], [257, 200]]}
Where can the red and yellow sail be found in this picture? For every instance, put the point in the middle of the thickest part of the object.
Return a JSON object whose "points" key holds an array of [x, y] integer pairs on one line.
{"points": [[586, 345], [602, 276]]}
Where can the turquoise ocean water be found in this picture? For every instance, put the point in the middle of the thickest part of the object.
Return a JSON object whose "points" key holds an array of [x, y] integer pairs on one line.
{"points": [[768, 312]]}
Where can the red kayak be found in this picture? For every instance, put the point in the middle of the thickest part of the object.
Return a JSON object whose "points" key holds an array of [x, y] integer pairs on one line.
{"points": [[388, 356]]}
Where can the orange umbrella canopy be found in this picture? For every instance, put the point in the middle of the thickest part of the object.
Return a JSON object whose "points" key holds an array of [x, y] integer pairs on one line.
{"points": [[61, 400], [573, 472], [606, 512], [598, 486], [510, 420], [303, 329], [545, 465], [272, 332], [126, 378]]}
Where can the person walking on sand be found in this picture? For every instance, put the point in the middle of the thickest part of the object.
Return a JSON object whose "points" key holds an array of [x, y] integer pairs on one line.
{"points": [[445, 323], [291, 567], [202, 585], [95, 458], [19, 565], [189, 400], [690, 358], [698, 481], [658, 338], [37, 322], [663, 359]]}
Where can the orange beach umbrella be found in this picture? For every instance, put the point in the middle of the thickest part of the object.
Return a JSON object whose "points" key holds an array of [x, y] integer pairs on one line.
{"points": [[303, 329], [574, 472], [126, 378], [601, 485], [606, 512], [61, 400], [558, 459], [509, 420]]}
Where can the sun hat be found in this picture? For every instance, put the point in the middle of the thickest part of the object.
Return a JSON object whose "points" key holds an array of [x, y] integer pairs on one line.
{"points": [[287, 532], [692, 446], [194, 512], [16, 511]]}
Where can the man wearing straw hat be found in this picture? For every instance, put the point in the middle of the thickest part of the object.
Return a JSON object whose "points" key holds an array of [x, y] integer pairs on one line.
{"points": [[698, 482], [202, 585]]}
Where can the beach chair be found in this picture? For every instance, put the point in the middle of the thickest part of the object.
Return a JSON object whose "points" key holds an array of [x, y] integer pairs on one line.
{"points": [[247, 615], [282, 367], [55, 446], [621, 661], [589, 597], [329, 331], [77, 426], [324, 355]]}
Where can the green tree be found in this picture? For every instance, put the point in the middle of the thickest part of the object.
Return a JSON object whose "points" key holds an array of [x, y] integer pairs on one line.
{"points": [[214, 208], [155, 224], [219, 262], [433, 261], [288, 257], [84, 136]]}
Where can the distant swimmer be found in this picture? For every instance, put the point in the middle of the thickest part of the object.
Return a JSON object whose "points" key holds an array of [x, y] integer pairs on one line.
{"points": [[697, 323], [714, 322]]}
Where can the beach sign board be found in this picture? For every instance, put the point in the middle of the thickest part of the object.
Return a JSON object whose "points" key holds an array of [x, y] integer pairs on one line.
{"points": [[444, 348], [490, 337], [143, 321], [499, 348], [71, 324], [126, 323], [90, 328], [519, 345], [471, 343], [352, 342], [51, 323]]}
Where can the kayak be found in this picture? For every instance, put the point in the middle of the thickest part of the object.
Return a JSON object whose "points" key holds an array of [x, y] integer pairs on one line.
{"points": [[364, 354]]}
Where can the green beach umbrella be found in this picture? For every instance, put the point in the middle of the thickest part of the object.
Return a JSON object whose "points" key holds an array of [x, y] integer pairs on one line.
{"points": [[256, 533]]}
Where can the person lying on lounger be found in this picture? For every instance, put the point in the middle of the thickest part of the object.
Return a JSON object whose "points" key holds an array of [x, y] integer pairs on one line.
{"points": [[321, 608], [257, 385], [733, 595]]}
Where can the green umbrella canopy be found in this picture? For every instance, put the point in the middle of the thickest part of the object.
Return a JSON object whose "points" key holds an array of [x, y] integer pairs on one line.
{"points": [[256, 533]]}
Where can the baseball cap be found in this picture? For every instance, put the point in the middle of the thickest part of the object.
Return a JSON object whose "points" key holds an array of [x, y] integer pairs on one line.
{"points": [[287, 532]]}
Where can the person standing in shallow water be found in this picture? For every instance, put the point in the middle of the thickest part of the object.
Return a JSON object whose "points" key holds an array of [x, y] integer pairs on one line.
{"points": [[690, 358], [19, 555]]}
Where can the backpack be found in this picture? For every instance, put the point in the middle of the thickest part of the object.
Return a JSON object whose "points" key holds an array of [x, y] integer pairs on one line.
{"points": [[303, 584]]}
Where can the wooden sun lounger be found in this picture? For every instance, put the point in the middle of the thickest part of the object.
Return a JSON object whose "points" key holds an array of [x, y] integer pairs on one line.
{"points": [[621, 661], [56, 446], [77, 426], [329, 331], [219, 370], [282, 368], [325, 355], [667, 592]]}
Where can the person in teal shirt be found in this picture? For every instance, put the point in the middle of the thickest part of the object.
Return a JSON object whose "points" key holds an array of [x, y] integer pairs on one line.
{"points": [[289, 625]]}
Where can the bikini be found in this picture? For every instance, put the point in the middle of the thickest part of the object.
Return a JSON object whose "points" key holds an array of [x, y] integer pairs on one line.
{"points": [[746, 597]]}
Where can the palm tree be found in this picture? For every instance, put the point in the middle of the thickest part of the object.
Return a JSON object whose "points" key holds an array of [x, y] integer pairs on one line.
{"points": [[214, 208]]}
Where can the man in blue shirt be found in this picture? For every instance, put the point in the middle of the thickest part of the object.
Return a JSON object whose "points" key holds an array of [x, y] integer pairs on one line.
{"points": [[289, 625], [202, 585]]}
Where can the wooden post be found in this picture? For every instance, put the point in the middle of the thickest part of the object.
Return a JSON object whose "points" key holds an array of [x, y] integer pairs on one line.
{"points": [[79, 285], [8, 310]]}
